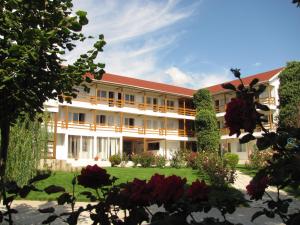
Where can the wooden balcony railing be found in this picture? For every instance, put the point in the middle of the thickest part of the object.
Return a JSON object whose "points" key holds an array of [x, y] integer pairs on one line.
{"points": [[142, 106], [128, 129], [268, 126], [266, 101]]}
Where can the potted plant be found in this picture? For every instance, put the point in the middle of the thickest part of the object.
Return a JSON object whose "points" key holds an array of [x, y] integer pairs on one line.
{"points": [[96, 158]]}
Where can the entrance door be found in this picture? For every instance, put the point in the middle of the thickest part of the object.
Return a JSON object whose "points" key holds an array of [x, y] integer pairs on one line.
{"points": [[127, 147]]}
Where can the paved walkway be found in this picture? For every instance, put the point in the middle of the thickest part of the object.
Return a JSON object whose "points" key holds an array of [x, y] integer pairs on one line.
{"points": [[28, 214]]}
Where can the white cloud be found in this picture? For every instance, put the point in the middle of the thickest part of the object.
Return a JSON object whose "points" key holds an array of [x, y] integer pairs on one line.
{"points": [[137, 33], [178, 77], [257, 64], [197, 80]]}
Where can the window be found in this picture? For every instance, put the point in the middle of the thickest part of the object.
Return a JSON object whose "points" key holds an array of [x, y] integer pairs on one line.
{"points": [[129, 122], [170, 104], [110, 120], [149, 124], [129, 98], [77, 117], [170, 124], [149, 100], [101, 94], [229, 147], [154, 123], [153, 146], [242, 148], [101, 119]]}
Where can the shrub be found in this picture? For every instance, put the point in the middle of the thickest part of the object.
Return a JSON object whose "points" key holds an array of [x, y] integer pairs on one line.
{"points": [[115, 159], [191, 159], [135, 159], [160, 161], [217, 171], [231, 159], [146, 159], [178, 159], [259, 159]]}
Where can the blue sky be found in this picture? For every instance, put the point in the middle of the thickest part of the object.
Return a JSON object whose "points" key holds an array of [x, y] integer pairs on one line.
{"points": [[192, 43]]}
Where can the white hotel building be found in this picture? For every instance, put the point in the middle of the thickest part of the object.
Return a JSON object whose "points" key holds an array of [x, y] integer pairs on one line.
{"points": [[127, 116]]}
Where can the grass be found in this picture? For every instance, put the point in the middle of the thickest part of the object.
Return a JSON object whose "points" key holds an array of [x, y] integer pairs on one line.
{"points": [[245, 170], [124, 174]]}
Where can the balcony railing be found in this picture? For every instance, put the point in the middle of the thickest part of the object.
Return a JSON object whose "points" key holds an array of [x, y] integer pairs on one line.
{"points": [[142, 106], [127, 129], [266, 101], [268, 126]]}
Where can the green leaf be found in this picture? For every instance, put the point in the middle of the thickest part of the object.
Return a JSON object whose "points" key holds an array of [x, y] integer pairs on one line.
{"points": [[64, 198], [254, 82], [39, 177], [228, 86], [47, 210], [81, 13], [262, 107], [263, 143], [246, 138], [50, 219], [53, 189], [257, 214]]}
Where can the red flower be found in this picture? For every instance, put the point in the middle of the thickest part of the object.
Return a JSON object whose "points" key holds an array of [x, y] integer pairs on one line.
{"points": [[257, 187], [240, 114], [166, 190], [94, 177], [136, 193], [198, 191]]}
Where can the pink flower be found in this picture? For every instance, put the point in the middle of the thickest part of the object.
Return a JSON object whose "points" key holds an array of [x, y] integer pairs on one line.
{"points": [[240, 114], [94, 177], [256, 188], [198, 191]]}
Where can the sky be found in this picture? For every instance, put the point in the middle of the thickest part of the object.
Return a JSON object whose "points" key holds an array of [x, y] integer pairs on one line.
{"points": [[191, 43]]}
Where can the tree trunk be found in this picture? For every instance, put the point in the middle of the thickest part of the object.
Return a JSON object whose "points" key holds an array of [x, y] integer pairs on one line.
{"points": [[4, 148]]}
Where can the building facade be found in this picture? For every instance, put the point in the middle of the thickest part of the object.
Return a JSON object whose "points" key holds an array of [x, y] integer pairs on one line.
{"points": [[122, 115], [269, 97]]}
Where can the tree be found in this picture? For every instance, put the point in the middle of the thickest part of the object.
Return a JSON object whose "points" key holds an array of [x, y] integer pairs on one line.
{"points": [[33, 38], [208, 136], [28, 144], [289, 96]]}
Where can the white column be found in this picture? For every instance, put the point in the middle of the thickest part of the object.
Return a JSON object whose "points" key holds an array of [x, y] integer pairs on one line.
{"points": [[66, 146], [121, 146], [95, 147]]}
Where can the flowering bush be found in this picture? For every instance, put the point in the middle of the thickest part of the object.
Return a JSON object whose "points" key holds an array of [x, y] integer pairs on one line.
{"points": [[198, 191], [282, 169], [191, 159], [94, 177], [257, 187], [259, 159], [160, 161], [146, 159], [231, 159]]}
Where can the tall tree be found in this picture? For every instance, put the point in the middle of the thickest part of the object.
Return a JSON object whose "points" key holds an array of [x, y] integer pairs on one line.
{"points": [[208, 137], [289, 96], [33, 38]]}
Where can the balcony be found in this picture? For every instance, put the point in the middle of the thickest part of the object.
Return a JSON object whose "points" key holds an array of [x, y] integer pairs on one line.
{"points": [[126, 129], [266, 101], [268, 126], [133, 104]]}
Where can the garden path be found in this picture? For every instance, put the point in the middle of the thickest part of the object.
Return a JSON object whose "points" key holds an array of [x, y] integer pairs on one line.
{"points": [[28, 214]]}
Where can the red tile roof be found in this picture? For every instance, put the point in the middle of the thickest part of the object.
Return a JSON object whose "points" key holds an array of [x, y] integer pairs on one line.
{"points": [[144, 84], [171, 89], [263, 77]]}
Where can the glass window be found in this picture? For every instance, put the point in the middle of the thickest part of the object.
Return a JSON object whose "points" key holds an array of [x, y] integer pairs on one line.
{"points": [[170, 103], [149, 100], [101, 119], [242, 148], [129, 122], [153, 146], [101, 94], [155, 126], [129, 98], [110, 120]]}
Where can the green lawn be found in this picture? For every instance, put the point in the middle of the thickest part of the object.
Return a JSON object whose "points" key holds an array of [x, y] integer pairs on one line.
{"points": [[124, 174], [242, 168]]}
